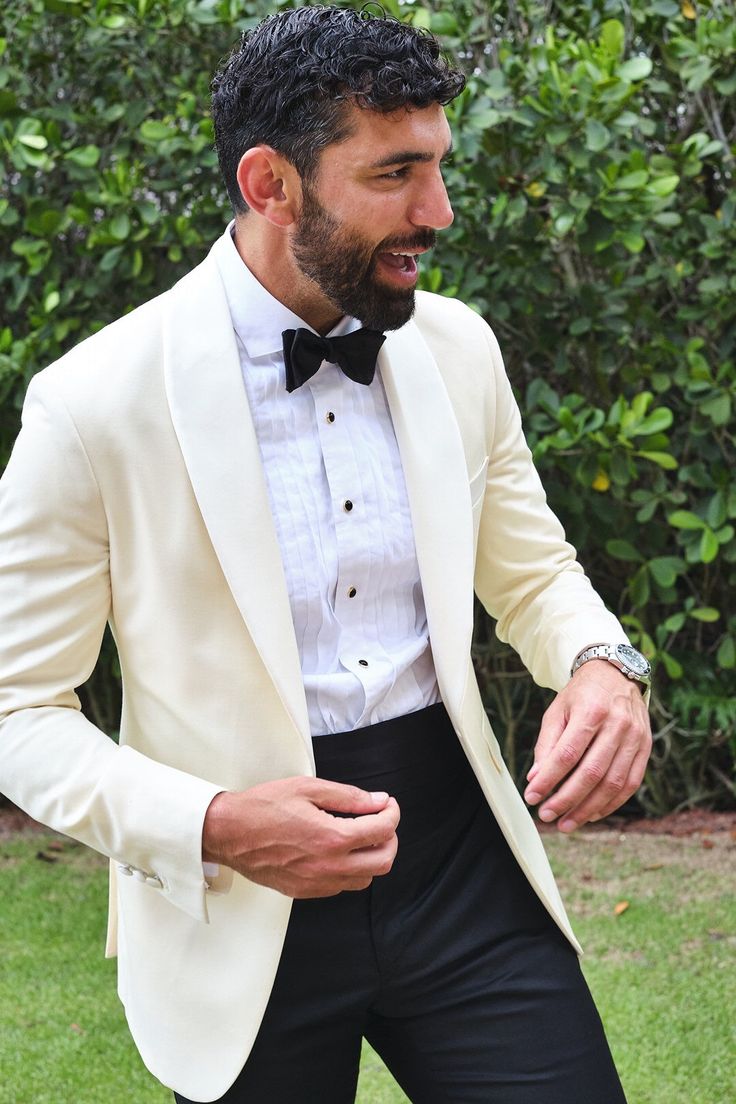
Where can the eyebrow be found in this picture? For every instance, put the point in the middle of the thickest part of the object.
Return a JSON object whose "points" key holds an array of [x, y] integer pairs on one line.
{"points": [[405, 157]]}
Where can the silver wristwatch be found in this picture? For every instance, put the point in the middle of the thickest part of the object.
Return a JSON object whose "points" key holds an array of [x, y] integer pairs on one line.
{"points": [[630, 662]]}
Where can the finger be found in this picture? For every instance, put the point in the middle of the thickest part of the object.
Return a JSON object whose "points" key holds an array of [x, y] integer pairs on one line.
{"points": [[375, 861], [569, 748], [338, 797], [371, 830], [633, 782], [584, 780], [348, 872], [610, 791]]}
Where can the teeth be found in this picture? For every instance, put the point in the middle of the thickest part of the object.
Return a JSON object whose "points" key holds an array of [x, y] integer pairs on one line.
{"points": [[403, 254]]}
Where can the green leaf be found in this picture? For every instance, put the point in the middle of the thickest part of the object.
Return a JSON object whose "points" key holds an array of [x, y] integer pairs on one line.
{"points": [[632, 180], [8, 102], [698, 74], [634, 242], [635, 69], [671, 665], [500, 204], [477, 120], [155, 131], [659, 420], [51, 301], [421, 18], [667, 8], [665, 569], [717, 510], [557, 135], [704, 613], [708, 546], [684, 519], [120, 227], [727, 85], [612, 37], [623, 550], [668, 218], [663, 185], [713, 285], [661, 459], [674, 623], [726, 654], [44, 223], [564, 223], [718, 408], [597, 136], [33, 141], [639, 588], [84, 156], [111, 258]]}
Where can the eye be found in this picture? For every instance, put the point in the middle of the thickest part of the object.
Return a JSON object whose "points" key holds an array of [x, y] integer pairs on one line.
{"points": [[395, 174]]}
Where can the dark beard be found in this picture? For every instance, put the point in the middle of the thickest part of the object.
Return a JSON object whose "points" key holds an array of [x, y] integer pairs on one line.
{"points": [[343, 265]]}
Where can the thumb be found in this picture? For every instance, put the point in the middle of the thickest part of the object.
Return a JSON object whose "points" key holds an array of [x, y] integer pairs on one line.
{"points": [[337, 797]]}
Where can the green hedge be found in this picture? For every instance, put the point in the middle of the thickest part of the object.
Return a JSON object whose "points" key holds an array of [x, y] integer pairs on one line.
{"points": [[593, 183]]}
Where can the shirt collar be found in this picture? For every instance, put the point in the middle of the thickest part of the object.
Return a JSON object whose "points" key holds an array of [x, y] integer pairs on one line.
{"points": [[258, 318]]}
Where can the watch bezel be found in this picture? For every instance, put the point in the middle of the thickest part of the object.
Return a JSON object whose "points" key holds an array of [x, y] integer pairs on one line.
{"points": [[633, 661]]}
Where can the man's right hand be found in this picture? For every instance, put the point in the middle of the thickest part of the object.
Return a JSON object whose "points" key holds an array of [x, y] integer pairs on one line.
{"points": [[284, 834]]}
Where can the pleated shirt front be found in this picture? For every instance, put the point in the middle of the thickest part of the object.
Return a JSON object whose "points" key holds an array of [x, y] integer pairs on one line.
{"points": [[340, 508]]}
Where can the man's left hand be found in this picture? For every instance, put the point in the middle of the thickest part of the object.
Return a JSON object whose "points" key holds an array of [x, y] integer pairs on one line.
{"points": [[593, 746]]}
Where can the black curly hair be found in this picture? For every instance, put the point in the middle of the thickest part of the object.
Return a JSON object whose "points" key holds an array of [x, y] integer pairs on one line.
{"points": [[292, 78]]}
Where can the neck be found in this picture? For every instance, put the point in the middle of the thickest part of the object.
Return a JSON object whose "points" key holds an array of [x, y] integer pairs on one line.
{"points": [[266, 250]]}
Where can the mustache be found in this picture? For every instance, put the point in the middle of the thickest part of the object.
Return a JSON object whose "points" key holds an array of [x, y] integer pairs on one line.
{"points": [[423, 239]]}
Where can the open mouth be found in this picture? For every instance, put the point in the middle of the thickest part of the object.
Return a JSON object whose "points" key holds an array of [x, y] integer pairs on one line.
{"points": [[405, 261], [402, 264]]}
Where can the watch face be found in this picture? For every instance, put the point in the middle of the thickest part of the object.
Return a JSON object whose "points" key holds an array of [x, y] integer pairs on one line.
{"points": [[632, 659]]}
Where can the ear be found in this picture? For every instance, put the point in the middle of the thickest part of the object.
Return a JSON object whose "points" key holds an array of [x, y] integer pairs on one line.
{"points": [[269, 185]]}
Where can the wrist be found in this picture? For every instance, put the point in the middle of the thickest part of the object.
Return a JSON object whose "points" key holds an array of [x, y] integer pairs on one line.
{"points": [[214, 828], [630, 663]]}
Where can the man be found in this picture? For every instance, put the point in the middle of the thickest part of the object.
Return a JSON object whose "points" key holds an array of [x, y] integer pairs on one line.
{"points": [[285, 545]]}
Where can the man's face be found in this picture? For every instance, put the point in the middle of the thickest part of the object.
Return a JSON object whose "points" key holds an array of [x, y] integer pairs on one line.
{"points": [[374, 205]]}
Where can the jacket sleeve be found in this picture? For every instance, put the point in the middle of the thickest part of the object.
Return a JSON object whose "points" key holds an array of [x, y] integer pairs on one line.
{"points": [[527, 575], [54, 602]]}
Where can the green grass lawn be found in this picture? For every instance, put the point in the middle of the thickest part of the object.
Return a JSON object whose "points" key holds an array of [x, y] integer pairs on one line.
{"points": [[662, 971]]}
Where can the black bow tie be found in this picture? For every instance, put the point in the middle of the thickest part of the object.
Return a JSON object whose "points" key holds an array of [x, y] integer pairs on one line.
{"points": [[355, 353]]}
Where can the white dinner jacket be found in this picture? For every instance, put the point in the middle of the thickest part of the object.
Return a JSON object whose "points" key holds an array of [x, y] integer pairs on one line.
{"points": [[135, 494]]}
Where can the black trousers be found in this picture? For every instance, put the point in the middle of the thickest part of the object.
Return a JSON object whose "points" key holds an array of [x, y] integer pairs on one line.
{"points": [[449, 965]]}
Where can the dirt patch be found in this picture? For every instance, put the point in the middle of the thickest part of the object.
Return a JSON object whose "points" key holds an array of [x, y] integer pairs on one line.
{"points": [[14, 822], [642, 852], [689, 822]]}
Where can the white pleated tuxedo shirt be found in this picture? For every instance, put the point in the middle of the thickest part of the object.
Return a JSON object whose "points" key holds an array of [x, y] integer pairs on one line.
{"points": [[341, 513]]}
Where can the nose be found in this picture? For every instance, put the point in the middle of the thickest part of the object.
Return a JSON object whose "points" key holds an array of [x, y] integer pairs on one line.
{"points": [[432, 206]]}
